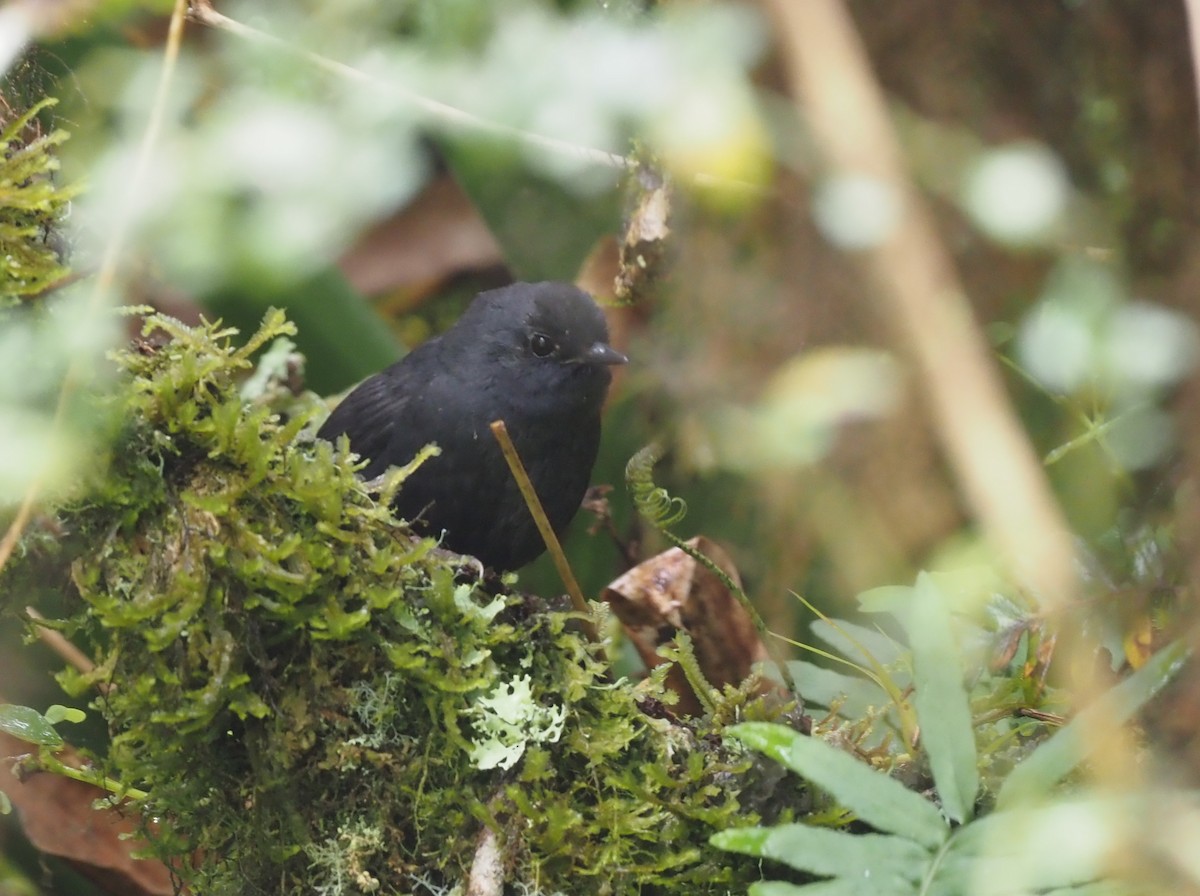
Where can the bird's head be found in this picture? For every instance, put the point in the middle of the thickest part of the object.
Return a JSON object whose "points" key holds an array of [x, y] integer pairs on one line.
{"points": [[549, 340]]}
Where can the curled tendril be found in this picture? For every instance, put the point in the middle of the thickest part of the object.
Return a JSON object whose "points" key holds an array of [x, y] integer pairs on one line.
{"points": [[653, 502], [657, 506]]}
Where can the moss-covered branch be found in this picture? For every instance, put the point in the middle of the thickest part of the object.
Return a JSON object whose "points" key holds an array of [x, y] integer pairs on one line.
{"points": [[315, 702]]}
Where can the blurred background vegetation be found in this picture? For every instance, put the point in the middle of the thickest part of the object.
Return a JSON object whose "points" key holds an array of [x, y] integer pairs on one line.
{"points": [[369, 167]]}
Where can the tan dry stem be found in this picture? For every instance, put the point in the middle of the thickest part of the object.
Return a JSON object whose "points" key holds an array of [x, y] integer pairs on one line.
{"points": [[914, 277]]}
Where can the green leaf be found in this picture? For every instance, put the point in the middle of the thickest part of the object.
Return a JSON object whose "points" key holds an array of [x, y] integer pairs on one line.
{"points": [[840, 886], [880, 801], [886, 599], [516, 203], [887, 860], [1060, 754], [776, 888], [1096, 888], [941, 700], [58, 713], [337, 330], [824, 687], [1068, 843], [858, 643], [28, 725]]}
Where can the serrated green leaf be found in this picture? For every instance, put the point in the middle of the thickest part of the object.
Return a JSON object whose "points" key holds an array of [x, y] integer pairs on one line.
{"points": [[886, 859], [941, 700], [1061, 753], [28, 725], [878, 800]]}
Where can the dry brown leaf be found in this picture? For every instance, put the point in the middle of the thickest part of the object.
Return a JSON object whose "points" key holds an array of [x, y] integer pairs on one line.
{"points": [[57, 816], [438, 235], [644, 250], [672, 591]]}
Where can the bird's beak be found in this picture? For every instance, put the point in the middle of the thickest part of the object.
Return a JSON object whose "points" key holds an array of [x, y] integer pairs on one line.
{"points": [[601, 353]]}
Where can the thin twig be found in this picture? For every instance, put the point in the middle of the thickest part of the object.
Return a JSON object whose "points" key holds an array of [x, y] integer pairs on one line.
{"points": [[24, 512], [1193, 18], [66, 651], [450, 117], [914, 276], [203, 13], [500, 431], [486, 877], [106, 275], [44, 760]]}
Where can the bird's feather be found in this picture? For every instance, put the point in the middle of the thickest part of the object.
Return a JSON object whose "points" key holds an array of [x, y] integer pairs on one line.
{"points": [[449, 390]]}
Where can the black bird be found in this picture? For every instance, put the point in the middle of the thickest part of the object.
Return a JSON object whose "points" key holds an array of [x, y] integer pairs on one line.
{"points": [[535, 355]]}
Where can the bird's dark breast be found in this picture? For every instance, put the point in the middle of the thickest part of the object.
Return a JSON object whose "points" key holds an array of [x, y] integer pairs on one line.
{"points": [[450, 389], [468, 493]]}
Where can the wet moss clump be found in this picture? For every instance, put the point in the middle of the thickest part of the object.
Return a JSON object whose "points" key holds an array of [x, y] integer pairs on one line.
{"points": [[316, 703]]}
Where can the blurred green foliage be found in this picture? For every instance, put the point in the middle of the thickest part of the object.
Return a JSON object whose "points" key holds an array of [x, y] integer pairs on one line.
{"points": [[32, 203], [276, 638], [999, 827], [52, 373]]}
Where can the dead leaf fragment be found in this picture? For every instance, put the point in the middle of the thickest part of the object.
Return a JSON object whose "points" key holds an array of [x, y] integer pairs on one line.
{"points": [[644, 250], [57, 816], [672, 592]]}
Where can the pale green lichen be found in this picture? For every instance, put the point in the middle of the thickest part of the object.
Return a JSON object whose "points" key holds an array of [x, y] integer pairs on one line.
{"points": [[507, 720]]}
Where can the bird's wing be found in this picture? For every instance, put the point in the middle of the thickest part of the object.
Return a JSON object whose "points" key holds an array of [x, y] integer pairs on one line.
{"points": [[369, 416]]}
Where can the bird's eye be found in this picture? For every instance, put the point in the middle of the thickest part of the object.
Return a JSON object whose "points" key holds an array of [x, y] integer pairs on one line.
{"points": [[542, 345]]}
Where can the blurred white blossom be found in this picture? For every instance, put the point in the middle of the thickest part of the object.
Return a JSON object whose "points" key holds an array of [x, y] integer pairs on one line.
{"points": [[856, 211], [1017, 193], [1084, 338]]}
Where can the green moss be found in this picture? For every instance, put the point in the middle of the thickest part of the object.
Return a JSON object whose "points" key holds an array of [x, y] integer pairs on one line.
{"points": [[312, 698], [31, 204]]}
